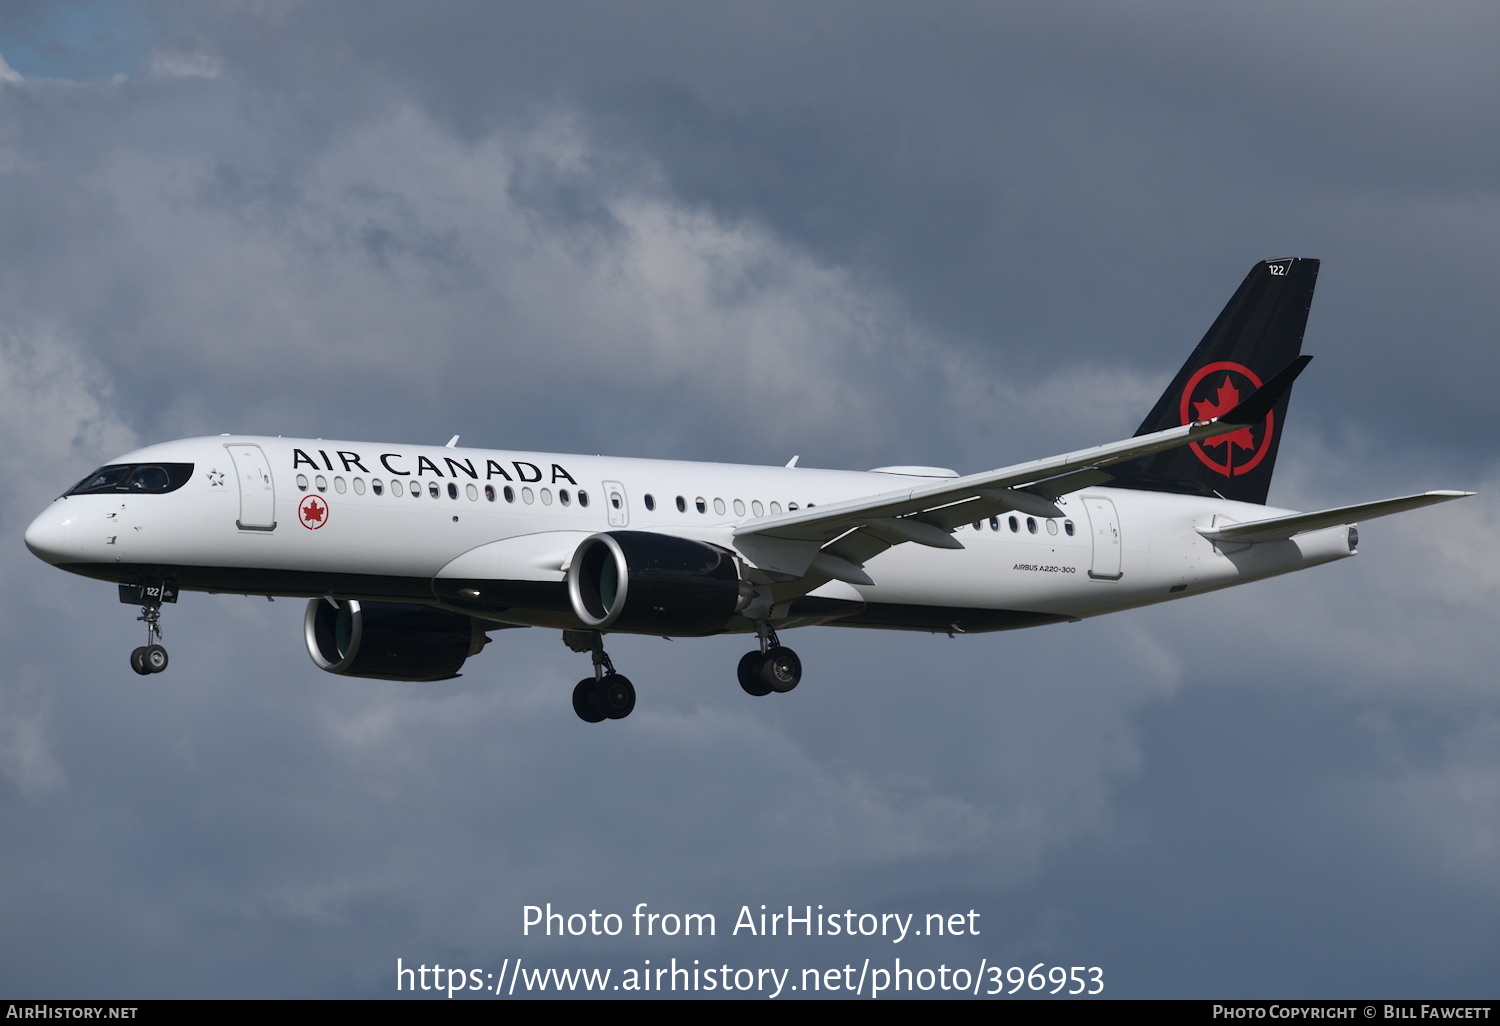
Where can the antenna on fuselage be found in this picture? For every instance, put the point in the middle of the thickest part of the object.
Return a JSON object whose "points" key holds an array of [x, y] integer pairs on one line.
{"points": [[451, 442]]}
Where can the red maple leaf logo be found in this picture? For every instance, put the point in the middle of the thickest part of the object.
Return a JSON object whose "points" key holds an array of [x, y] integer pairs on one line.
{"points": [[313, 511], [1227, 399]]}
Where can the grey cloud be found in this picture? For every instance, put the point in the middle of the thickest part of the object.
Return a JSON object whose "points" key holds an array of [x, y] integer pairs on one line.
{"points": [[865, 233]]}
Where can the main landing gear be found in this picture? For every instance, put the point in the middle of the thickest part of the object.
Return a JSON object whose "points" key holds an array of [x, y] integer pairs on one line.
{"points": [[606, 695], [770, 667], [150, 657]]}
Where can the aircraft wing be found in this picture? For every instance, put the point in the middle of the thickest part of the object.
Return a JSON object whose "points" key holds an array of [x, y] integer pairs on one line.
{"points": [[832, 542], [1281, 528]]}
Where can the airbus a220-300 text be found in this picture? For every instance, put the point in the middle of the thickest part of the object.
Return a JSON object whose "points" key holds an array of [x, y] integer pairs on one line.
{"points": [[412, 555]]}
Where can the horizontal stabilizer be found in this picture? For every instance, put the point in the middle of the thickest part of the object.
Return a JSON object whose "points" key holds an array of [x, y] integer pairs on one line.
{"points": [[1281, 528]]}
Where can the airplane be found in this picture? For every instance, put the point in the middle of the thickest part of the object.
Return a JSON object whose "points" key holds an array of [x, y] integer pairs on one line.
{"points": [[411, 555]]}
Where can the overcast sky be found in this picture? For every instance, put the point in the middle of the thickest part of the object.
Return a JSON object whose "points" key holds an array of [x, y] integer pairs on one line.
{"points": [[867, 233]]}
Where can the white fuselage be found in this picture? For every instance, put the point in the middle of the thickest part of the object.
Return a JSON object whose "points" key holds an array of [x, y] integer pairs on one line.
{"points": [[360, 520]]}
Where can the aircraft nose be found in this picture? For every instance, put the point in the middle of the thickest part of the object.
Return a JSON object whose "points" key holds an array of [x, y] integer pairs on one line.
{"points": [[47, 537]]}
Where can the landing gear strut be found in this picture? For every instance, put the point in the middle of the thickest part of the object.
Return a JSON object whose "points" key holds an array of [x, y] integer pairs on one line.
{"points": [[606, 695], [150, 657], [770, 667]]}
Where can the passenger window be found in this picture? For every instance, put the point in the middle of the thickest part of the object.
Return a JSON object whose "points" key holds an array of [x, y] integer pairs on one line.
{"points": [[359, 486], [452, 490], [321, 482], [757, 508], [472, 491], [681, 504], [547, 497], [1068, 528], [1014, 525], [1031, 524], [739, 507], [526, 496], [994, 523], [700, 504], [375, 485], [719, 506], [489, 493], [301, 482], [791, 507], [775, 508], [396, 486], [1051, 526], [583, 497], [339, 485], [510, 494], [563, 496], [650, 501], [433, 490]]}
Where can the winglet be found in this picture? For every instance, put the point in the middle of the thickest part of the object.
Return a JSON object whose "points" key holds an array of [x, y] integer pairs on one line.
{"points": [[1254, 409]]}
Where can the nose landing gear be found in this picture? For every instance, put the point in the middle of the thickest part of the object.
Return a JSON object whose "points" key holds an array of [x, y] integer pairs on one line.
{"points": [[150, 657]]}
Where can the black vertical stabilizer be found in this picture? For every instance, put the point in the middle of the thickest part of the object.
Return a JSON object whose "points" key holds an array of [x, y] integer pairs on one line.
{"points": [[1259, 333]]}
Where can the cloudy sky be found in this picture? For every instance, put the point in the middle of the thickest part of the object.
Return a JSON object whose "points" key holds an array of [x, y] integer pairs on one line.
{"points": [[866, 233]]}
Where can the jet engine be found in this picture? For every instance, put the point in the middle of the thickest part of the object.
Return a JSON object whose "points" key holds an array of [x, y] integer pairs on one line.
{"points": [[390, 640], [645, 583]]}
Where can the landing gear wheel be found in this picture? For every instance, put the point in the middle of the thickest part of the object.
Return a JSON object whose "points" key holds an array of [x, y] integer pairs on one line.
{"points": [[150, 657], [781, 670], [606, 695], [749, 672], [582, 701], [614, 696]]}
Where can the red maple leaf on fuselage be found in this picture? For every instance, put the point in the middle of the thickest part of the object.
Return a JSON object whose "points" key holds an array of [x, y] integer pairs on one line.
{"points": [[313, 510], [1228, 398]]}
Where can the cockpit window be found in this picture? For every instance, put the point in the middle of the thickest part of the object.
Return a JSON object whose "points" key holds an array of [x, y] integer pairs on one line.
{"points": [[102, 480], [148, 478]]}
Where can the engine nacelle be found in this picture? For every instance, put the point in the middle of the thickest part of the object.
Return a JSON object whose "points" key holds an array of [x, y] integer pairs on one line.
{"points": [[390, 640], [646, 583]]}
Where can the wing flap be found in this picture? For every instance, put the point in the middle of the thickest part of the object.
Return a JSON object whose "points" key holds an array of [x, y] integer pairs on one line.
{"points": [[1054, 487], [894, 531]]}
